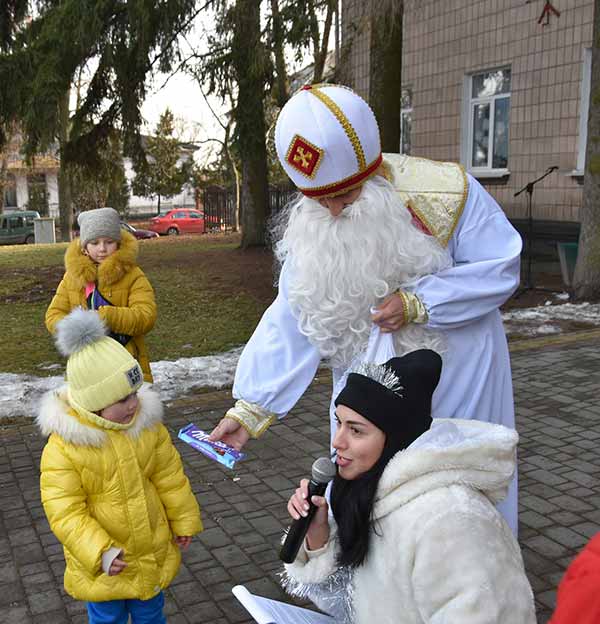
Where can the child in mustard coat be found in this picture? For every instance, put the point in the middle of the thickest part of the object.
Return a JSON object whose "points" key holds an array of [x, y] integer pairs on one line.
{"points": [[112, 483], [102, 273]]}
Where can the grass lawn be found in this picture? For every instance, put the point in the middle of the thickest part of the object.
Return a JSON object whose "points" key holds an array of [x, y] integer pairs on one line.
{"points": [[210, 296]]}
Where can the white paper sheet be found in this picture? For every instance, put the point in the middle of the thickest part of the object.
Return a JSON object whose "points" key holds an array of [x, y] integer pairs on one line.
{"points": [[267, 611]]}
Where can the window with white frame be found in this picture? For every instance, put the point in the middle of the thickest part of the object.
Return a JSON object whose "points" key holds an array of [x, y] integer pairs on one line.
{"points": [[487, 112], [584, 108], [405, 121]]}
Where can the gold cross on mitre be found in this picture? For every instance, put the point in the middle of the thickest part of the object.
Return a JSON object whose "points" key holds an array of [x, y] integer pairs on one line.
{"points": [[303, 156]]}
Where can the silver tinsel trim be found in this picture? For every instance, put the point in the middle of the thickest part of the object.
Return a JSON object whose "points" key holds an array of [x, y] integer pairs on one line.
{"points": [[334, 596], [381, 374]]}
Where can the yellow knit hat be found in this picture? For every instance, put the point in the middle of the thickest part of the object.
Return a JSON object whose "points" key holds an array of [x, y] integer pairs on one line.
{"points": [[100, 372]]}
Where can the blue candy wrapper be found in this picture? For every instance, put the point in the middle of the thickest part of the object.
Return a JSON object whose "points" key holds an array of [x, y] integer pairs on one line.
{"points": [[219, 451]]}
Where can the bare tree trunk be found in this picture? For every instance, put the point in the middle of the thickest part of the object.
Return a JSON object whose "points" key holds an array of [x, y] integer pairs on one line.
{"points": [[249, 64], [586, 281], [9, 131], [281, 77], [236, 173], [385, 84], [232, 169], [321, 57], [3, 178], [65, 207], [238, 198]]}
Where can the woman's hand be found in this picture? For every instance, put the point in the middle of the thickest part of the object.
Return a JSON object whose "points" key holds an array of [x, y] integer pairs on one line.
{"points": [[318, 531], [183, 541], [117, 566], [390, 314]]}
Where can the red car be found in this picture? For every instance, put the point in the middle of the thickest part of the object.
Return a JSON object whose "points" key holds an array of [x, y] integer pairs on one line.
{"points": [[179, 221], [137, 232]]}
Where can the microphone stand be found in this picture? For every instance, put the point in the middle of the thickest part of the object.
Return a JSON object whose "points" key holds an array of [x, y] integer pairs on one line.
{"points": [[528, 188]]}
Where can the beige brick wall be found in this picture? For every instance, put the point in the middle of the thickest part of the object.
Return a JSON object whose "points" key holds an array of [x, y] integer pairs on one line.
{"points": [[355, 46], [446, 40]]}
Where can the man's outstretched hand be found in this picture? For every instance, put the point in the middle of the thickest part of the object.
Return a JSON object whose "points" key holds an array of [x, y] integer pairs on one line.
{"points": [[231, 432]]}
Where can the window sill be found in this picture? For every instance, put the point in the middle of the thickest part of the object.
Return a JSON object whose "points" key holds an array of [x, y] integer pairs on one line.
{"points": [[576, 173], [489, 173]]}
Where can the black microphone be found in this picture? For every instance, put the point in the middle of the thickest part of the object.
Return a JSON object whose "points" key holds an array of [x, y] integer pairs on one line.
{"points": [[323, 470]]}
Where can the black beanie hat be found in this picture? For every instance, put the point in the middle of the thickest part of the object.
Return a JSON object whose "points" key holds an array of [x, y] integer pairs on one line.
{"points": [[395, 396]]}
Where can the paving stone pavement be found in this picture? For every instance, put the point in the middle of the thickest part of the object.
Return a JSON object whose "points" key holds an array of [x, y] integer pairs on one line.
{"points": [[557, 388]]}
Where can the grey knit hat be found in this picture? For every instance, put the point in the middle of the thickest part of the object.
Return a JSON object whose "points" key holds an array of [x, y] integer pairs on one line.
{"points": [[99, 222]]}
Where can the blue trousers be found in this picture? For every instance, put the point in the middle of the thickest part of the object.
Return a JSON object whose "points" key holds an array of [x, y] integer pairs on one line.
{"points": [[118, 611]]}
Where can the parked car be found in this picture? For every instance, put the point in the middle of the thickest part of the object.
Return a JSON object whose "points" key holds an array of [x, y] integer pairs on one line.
{"points": [[16, 227], [137, 232], [215, 223], [178, 221]]}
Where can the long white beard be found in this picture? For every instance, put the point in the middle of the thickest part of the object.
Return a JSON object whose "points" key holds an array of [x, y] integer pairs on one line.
{"points": [[340, 267]]}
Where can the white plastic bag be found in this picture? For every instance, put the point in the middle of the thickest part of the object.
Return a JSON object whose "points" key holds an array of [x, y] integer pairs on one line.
{"points": [[380, 347], [379, 350]]}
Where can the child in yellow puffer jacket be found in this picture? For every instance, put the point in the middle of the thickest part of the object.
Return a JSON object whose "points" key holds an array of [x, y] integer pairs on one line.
{"points": [[102, 274], [112, 483]]}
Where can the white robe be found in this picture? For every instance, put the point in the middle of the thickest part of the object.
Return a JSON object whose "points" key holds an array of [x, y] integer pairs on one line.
{"points": [[278, 363]]}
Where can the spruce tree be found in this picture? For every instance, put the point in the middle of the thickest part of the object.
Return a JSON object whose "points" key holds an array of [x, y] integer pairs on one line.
{"points": [[120, 43], [161, 174]]}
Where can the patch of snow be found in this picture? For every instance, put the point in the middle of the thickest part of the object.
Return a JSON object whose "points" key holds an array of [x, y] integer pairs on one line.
{"points": [[532, 330], [565, 312], [50, 366], [21, 393], [175, 379], [563, 296], [548, 329]]}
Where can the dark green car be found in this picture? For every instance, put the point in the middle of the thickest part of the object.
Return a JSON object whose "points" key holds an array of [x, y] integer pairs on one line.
{"points": [[16, 227]]}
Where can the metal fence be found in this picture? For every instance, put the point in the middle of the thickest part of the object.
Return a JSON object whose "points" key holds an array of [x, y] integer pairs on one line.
{"points": [[218, 205], [279, 197]]}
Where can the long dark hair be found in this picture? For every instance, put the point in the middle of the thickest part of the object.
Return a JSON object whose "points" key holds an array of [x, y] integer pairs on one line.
{"points": [[352, 508]]}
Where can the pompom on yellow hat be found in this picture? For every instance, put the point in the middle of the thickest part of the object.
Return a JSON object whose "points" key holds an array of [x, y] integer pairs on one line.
{"points": [[100, 372], [327, 140]]}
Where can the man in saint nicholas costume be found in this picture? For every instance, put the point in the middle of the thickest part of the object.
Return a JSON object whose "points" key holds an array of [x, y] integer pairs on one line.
{"points": [[419, 240]]}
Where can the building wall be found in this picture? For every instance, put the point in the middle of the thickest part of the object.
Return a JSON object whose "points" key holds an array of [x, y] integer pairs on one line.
{"points": [[446, 41], [149, 205], [354, 57], [22, 191], [52, 189], [137, 205]]}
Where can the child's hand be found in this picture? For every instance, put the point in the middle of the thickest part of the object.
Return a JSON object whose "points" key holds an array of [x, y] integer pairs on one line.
{"points": [[117, 566], [183, 541]]}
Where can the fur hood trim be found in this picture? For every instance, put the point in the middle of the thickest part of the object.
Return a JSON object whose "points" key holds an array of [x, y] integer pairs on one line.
{"points": [[57, 416], [82, 269], [470, 453]]}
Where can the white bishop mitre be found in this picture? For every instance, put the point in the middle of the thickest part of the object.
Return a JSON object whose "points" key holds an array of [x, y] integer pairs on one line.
{"points": [[327, 140]]}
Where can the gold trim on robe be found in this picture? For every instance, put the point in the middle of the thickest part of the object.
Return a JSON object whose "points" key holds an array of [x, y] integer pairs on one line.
{"points": [[435, 192]]}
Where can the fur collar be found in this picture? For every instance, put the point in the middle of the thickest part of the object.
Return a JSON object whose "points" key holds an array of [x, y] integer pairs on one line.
{"points": [[475, 454], [82, 269], [57, 416]]}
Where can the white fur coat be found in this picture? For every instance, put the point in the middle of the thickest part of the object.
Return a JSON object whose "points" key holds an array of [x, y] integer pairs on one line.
{"points": [[441, 553]]}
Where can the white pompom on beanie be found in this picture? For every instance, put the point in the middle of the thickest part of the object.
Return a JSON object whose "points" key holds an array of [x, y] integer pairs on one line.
{"points": [[100, 371]]}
